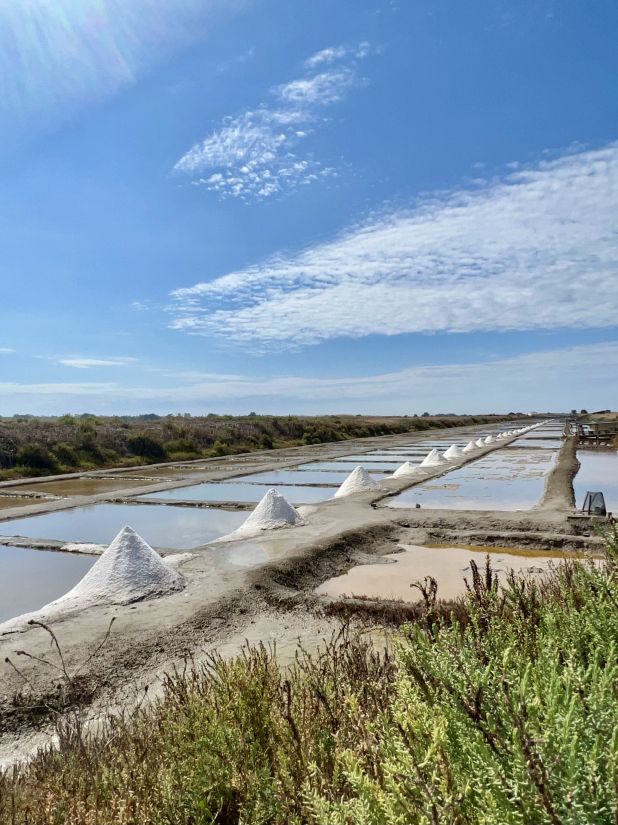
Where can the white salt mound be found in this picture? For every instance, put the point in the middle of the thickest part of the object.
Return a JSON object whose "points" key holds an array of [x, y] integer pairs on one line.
{"points": [[453, 452], [272, 512], [490, 439], [127, 571], [470, 447], [479, 442], [358, 481], [433, 459], [406, 469]]}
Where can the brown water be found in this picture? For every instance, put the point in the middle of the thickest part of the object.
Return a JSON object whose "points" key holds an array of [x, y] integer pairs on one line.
{"points": [[448, 565], [79, 486], [6, 502]]}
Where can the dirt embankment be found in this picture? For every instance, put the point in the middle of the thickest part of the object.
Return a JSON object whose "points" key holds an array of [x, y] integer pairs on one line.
{"points": [[558, 493]]}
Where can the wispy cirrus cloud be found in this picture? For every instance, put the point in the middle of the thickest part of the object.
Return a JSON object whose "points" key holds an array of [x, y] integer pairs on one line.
{"points": [[535, 249], [557, 379], [254, 155], [81, 363], [6, 350]]}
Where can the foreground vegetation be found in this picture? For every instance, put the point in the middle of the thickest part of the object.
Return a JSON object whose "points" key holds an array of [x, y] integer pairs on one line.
{"points": [[504, 711], [44, 446]]}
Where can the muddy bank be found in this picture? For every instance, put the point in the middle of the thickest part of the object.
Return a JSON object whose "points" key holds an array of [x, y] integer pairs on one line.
{"points": [[558, 493]]}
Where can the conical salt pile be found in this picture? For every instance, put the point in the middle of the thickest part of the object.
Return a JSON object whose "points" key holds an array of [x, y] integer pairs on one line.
{"points": [[479, 442], [406, 469], [358, 481], [490, 439], [272, 512], [127, 571], [470, 447], [453, 452], [433, 459]]}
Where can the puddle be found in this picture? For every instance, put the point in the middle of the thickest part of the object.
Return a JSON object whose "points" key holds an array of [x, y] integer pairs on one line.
{"points": [[296, 477], [79, 486], [175, 527], [32, 578], [242, 493], [501, 480], [598, 471], [448, 565], [6, 502]]}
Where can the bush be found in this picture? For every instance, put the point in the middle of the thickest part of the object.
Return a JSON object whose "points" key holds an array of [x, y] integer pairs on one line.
{"points": [[37, 457], [146, 447]]}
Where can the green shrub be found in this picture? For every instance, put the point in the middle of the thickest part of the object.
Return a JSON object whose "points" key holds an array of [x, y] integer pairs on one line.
{"points": [[146, 447], [37, 457]]}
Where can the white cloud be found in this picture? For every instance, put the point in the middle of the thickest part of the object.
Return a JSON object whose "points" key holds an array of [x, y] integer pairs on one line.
{"points": [[81, 363], [559, 379], [254, 155], [6, 350], [536, 249]]}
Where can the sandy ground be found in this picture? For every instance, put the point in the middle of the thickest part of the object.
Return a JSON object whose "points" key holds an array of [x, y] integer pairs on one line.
{"points": [[267, 594]]}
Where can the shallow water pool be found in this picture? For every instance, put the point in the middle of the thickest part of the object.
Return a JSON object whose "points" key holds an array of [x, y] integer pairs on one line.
{"points": [[32, 578], [501, 480], [80, 486], [6, 502], [448, 565], [598, 471], [347, 466], [226, 491], [331, 478], [174, 527]]}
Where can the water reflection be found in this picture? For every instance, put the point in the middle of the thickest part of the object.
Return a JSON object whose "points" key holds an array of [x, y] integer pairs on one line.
{"points": [[160, 526], [598, 471], [448, 565], [501, 480], [32, 578], [228, 491]]}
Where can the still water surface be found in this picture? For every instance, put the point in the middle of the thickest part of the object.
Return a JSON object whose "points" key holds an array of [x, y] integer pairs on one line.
{"points": [[31, 578], [160, 526]]}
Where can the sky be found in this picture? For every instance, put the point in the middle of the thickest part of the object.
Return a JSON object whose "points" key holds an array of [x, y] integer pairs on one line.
{"points": [[368, 206]]}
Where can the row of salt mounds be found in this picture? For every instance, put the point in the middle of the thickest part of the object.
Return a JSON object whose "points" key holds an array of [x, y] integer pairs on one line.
{"points": [[359, 481], [433, 459], [406, 469], [469, 448], [454, 451], [128, 571], [273, 512]]}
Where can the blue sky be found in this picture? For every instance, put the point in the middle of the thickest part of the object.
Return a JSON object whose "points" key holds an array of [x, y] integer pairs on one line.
{"points": [[233, 205]]}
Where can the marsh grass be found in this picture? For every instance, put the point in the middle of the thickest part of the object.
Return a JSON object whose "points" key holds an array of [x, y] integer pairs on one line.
{"points": [[503, 711]]}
